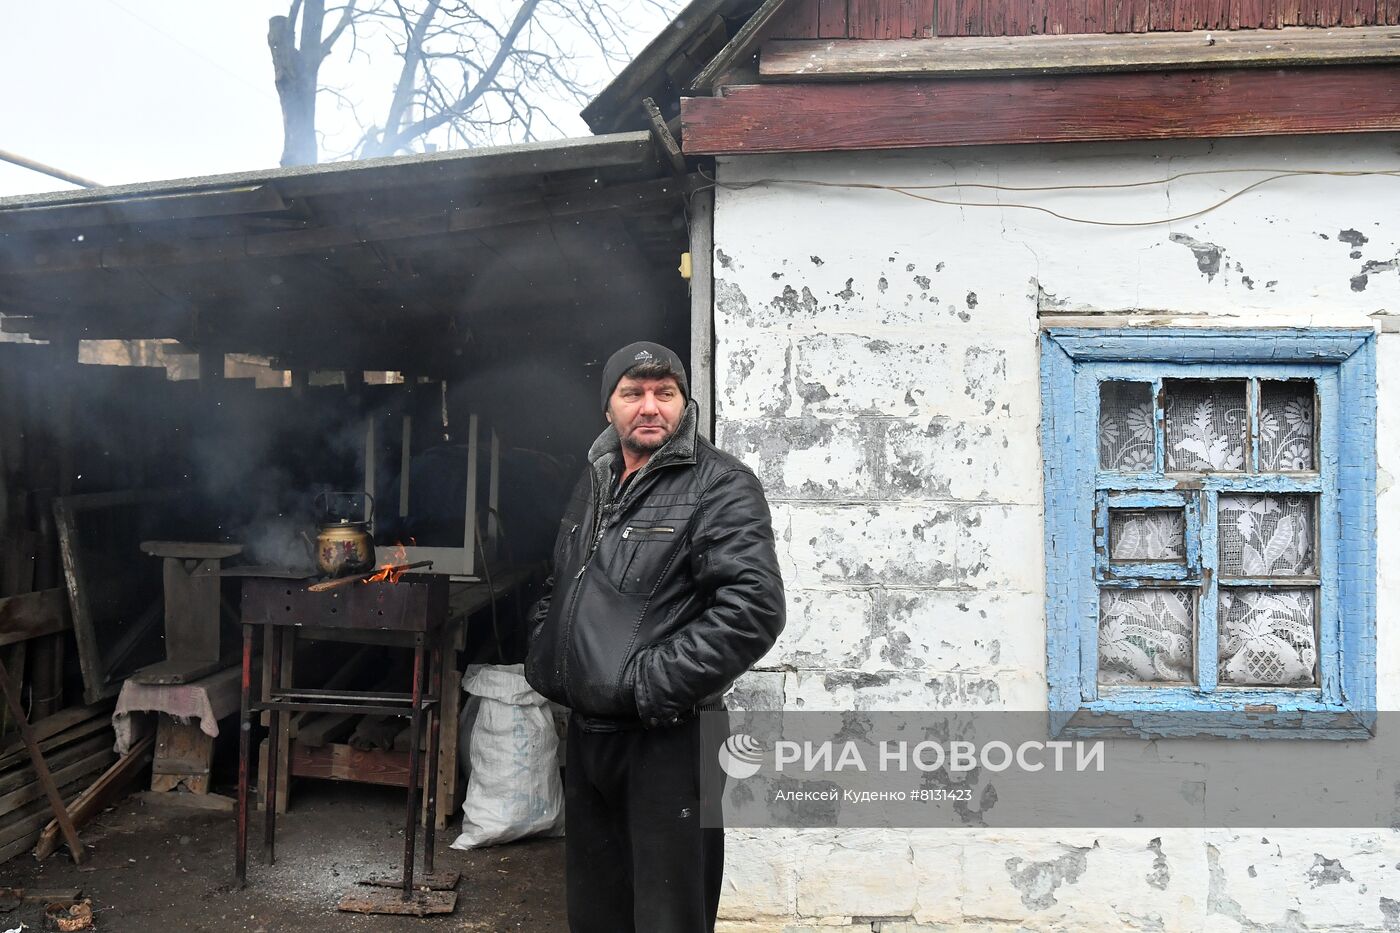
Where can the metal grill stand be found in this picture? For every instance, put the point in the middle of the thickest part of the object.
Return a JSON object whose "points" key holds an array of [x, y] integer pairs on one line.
{"points": [[410, 613]]}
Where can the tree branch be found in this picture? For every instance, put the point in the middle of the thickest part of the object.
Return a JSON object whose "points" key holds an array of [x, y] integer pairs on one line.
{"points": [[347, 16], [483, 83]]}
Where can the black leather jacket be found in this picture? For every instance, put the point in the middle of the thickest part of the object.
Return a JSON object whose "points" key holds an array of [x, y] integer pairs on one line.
{"points": [[660, 598]]}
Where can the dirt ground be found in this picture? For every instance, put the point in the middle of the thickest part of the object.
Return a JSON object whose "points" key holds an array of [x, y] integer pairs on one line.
{"points": [[168, 869]]}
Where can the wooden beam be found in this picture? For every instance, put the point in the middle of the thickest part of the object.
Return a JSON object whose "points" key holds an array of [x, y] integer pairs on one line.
{"points": [[63, 820], [741, 47], [846, 59], [702, 307], [32, 615], [327, 239], [665, 142], [1052, 108], [101, 794]]}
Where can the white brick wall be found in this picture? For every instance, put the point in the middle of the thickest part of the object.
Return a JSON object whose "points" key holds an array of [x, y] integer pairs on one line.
{"points": [[876, 364]]}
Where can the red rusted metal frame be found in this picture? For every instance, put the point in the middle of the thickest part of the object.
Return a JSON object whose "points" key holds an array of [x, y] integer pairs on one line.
{"points": [[41, 770], [1063, 108], [405, 608], [434, 737], [274, 739], [245, 730], [415, 730]]}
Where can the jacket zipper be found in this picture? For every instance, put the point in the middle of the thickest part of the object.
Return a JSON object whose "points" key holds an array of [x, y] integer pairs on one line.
{"points": [[599, 527], [642, 531], [561, 671]]}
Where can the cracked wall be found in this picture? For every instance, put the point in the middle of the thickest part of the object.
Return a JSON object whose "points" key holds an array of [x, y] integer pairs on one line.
{"points": [[876, 364]]}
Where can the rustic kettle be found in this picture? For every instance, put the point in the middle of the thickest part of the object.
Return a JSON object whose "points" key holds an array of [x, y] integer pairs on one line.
{"points": [[343, 545]]}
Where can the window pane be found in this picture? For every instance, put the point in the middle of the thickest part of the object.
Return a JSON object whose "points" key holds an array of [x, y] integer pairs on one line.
{"points": [[1147, 535], [1267, 638], [1146, 635], [1206, 426], [1126, 440], [1266, 536], [1286, 426]]}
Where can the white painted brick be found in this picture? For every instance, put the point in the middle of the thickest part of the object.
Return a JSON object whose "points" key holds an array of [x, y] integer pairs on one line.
{"points": [[852, 374], [1329, 877], [806, 459], [858, 872], [938, 875], [901, 690], [961, 631], [1099, 883], [1001, 547], [825, 629], [760, 873], [889, 543], [751, 378], [987, 459], [757, 689]]}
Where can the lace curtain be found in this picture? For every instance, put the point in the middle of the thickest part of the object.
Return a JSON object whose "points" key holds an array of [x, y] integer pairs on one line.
{"points": [[1267, 637], [1207, 424], [1146, 635], [1153, 534], [1126, 434]]}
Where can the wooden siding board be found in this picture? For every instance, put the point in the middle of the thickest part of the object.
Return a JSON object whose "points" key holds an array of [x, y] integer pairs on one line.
{"points": [[945, 18], [970, 17], [1017, 17], [1092, 16], [798, 20], [916, 19], [1012, 56], [1057, 16], [1290, 12], [831, 19], [864, 19], [994, 17], [1216, 14], [1186, 15], [1036, 16], [1068, 108], [1161, 15]]}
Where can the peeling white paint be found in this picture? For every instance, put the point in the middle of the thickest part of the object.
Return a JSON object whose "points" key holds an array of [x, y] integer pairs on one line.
{"points": [[876, 365]]}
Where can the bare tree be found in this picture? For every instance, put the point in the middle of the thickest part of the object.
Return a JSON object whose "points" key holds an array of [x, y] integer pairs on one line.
{"points": [[470, 71]]}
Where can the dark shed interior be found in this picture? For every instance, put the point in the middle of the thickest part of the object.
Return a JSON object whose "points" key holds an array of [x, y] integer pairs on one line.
{"points": [[197, 360]]}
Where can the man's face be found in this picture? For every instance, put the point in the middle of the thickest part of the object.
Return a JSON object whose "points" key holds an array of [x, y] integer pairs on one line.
{"points": [[645, 412]]}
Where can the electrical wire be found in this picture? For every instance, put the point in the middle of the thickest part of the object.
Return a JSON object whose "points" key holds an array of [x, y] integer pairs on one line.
{"points": [[912, 191]]}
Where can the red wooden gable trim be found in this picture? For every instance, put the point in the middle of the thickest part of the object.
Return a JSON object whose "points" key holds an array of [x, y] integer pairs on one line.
{"points": [[1065, 108], [912, 19]]}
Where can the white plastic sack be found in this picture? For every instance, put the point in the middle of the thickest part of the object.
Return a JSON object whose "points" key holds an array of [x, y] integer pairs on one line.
{"points": [[513, 789]]}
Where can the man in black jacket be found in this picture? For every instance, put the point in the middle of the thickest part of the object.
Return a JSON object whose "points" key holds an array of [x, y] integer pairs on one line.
{"points": [[665, 589]]}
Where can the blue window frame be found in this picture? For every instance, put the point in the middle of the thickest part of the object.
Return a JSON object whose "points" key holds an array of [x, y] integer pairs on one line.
{"points": [[1210, 531]]}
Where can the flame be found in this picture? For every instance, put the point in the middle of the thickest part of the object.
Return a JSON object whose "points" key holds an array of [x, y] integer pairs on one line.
{"points": [[387, 573]]}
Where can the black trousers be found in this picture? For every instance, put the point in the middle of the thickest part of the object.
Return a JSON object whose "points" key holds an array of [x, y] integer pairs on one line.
{"points": [[636, 857]]}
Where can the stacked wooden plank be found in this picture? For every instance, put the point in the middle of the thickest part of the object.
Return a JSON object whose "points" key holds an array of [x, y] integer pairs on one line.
{"points": [[78, 744]]}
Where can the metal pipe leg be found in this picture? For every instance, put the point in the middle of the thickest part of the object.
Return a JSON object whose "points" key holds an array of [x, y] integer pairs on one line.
{"points": [[430, 769], [274, 739], [410, 829], [245, 729]]}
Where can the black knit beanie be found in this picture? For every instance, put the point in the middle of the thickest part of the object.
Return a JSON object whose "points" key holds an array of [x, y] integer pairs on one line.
{"points": [[635, 354]]}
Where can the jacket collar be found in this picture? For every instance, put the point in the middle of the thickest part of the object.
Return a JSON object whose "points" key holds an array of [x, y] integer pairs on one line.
{"points": [[678, 449]]}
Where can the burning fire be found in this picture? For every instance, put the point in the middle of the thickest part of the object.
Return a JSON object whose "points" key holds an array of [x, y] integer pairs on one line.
{"points": [[390, 572]]}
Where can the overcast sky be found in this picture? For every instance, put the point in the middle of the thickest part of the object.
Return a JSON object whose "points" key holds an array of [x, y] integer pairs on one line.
{"points": [[137, 90]]}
